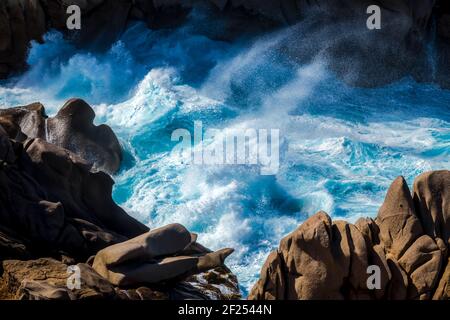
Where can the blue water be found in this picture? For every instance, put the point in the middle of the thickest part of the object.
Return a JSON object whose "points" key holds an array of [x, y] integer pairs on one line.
{"points": [[340, 146]]}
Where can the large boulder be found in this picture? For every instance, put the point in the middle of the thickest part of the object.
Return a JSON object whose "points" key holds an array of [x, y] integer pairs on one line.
{"points": [[24, 121], [160, 255], [47, 279], [335, 30], [72, 128], [301, 267], [84, 194], [52, 202], [326, 260], [397, 221], [20, 22], [432, 201]]}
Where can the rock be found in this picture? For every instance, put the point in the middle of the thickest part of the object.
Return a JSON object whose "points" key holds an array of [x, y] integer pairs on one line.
{"points": [[73, 129], [442, 44], [397, 288], [54, 206], [300, 269], [103, 27], [397, 220], [46, 279], [326, 260], [422, 263], [54, 201], [84, 194], [20, 22], [432, 202], [378, 57], [12, 246], [443, 289], [216, 284], [272, 283], [24, 121], [155, 257], [141, 293]]}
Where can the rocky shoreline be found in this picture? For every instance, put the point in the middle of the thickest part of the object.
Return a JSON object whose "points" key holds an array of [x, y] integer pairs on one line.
{"points": [[335, 31], [56, 211], [408, 241]]}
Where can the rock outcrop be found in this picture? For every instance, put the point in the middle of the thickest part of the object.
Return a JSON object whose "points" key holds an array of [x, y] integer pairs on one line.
{"points": [[170, 252], [71, 128], [56, 212], [334, 30], [407, 245]]}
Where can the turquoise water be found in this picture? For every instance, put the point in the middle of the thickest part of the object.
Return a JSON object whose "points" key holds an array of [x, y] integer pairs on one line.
{"points": [[340, 147]]}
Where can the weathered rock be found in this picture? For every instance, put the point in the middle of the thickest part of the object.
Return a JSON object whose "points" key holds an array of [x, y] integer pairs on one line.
{"points": [[301, 268], [272, 283], [443, 289], [422, 263], [51, 200], [72, 129], [24, 121], [47, 279], [432, 201], [84, 194], [338, 33], [325, 260], [52, 204], [155, 257], [397, 220]]}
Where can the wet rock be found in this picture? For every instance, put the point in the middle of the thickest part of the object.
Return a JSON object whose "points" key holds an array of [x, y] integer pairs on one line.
{"points": [[217, 284]]}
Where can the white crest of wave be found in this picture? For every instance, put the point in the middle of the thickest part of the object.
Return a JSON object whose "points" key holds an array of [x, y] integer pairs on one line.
{"points": [[158, 94]]}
